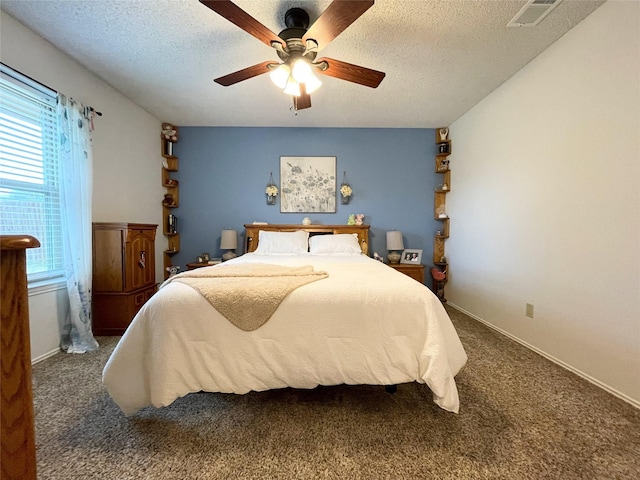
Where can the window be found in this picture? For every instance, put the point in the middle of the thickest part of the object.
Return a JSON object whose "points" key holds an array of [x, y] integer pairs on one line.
{"points": [[29, 171]]}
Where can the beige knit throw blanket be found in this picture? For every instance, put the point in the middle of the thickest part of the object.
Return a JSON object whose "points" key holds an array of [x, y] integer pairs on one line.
{"points": [[248, 294]]}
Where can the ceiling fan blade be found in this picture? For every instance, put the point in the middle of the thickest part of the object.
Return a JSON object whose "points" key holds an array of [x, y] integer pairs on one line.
{"points": [[244, 74], [351, 73], [242, 19], [335, 19], [303, 101]]}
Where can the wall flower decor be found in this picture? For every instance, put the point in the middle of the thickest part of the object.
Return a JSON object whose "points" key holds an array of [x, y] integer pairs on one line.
{"points": [[308, 184], [345, 190], [271, 191]]}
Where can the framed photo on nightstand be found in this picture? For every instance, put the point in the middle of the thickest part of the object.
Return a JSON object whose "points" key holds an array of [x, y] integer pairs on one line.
{"points": [[411, 256]]}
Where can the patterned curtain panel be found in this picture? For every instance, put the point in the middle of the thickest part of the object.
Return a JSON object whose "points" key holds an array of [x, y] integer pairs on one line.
{"points": [[75, 127]]}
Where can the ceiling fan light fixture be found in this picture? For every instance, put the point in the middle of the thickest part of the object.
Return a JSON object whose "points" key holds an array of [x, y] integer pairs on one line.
{"points": [[298, 45], [280, 75], [292, 87], [301, 71], [312, 84]]}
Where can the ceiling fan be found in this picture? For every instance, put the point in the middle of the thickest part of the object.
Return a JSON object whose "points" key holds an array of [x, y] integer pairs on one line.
{"points": [[297, 47]]}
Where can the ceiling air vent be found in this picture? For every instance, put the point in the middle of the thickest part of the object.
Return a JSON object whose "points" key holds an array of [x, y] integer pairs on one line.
{"points": [[532, 13]]}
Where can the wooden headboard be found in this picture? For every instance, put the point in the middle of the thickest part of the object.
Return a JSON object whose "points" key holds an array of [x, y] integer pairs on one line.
{"points": [[251, 230]]}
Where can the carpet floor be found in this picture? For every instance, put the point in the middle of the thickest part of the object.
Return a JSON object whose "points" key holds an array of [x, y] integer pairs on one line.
{"points": [[521, 417]]}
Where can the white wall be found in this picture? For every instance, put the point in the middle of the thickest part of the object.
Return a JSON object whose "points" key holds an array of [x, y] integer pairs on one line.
{"points": [[126, 145], [545, 202]]}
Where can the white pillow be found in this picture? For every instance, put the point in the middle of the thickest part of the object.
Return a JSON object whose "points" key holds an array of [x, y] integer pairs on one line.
{"points": [[340, 243], [292, 243]]}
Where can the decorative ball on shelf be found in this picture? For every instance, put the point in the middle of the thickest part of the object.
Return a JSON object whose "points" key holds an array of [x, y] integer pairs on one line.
{"points": [[306, 221]]}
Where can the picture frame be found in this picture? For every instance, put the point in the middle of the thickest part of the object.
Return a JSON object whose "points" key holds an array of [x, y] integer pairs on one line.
{"points": [[411, 256], [307, 184]]}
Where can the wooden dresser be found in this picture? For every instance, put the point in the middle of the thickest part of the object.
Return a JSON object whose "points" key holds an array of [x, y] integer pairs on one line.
{"points": [[123, 273], [18, 459]]}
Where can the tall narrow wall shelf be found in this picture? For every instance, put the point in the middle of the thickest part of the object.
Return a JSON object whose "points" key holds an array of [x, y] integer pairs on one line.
{"points": [[171, 200], [443, 144]]}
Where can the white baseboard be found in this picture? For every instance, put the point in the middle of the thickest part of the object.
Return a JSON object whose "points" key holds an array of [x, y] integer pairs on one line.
{"points": [[589, 378], [45, 356]]}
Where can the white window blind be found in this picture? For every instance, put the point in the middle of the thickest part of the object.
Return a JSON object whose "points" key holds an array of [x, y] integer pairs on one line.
{"points": [[29, 171]]}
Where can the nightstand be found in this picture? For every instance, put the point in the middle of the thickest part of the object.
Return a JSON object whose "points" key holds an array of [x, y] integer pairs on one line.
{"points": [[414, 271], [194, 265]]}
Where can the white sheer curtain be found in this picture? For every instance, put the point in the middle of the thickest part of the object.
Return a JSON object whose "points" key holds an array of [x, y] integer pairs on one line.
{"points": [[76, 171]]}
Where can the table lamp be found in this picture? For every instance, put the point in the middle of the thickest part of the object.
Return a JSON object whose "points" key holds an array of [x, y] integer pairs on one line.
{"points": [[394, 245], [229, 241]]}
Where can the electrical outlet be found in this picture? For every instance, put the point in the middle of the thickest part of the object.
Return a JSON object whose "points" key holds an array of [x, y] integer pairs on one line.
{"points": [[529, 310]]}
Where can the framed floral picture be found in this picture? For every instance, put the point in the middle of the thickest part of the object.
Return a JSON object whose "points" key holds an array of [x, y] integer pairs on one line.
{"points": [[308, 184]]}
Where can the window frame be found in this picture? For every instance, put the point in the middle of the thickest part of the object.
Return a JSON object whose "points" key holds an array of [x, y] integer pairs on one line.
{"points": [[53, 275]]}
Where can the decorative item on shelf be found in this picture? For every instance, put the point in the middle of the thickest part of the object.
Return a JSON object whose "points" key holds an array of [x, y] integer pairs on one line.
{"points": [[306, 221], [171, 182], [359, 219], [172, 223], [169, 132], [345, 190], [229, 241], [443, 187], [352, 219], [167, 148], [444, 148], [394, 245], [439, 281], [441, 212], [443, 165], [271, 191], [206, 257], [168, 200], [199, 259], [444, 133]]}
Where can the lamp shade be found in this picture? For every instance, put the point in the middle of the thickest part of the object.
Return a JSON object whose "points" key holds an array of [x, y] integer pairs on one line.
{"points": [[312, 83], [292, 87], [280, 75], [229, 240], [394, 240]]}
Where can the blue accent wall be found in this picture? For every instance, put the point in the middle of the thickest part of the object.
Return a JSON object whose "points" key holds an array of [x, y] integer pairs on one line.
{"points": [[223, 172]]}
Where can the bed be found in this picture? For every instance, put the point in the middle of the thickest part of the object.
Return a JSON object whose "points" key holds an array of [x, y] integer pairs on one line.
{"points": [[358, 322]]}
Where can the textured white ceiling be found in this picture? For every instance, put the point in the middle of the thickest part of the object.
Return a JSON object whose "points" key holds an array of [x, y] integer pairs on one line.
{"points": [[441, 57]]}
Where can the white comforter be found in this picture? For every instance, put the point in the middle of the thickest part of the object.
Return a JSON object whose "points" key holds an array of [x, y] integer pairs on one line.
{"points": [[364, 324]]}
